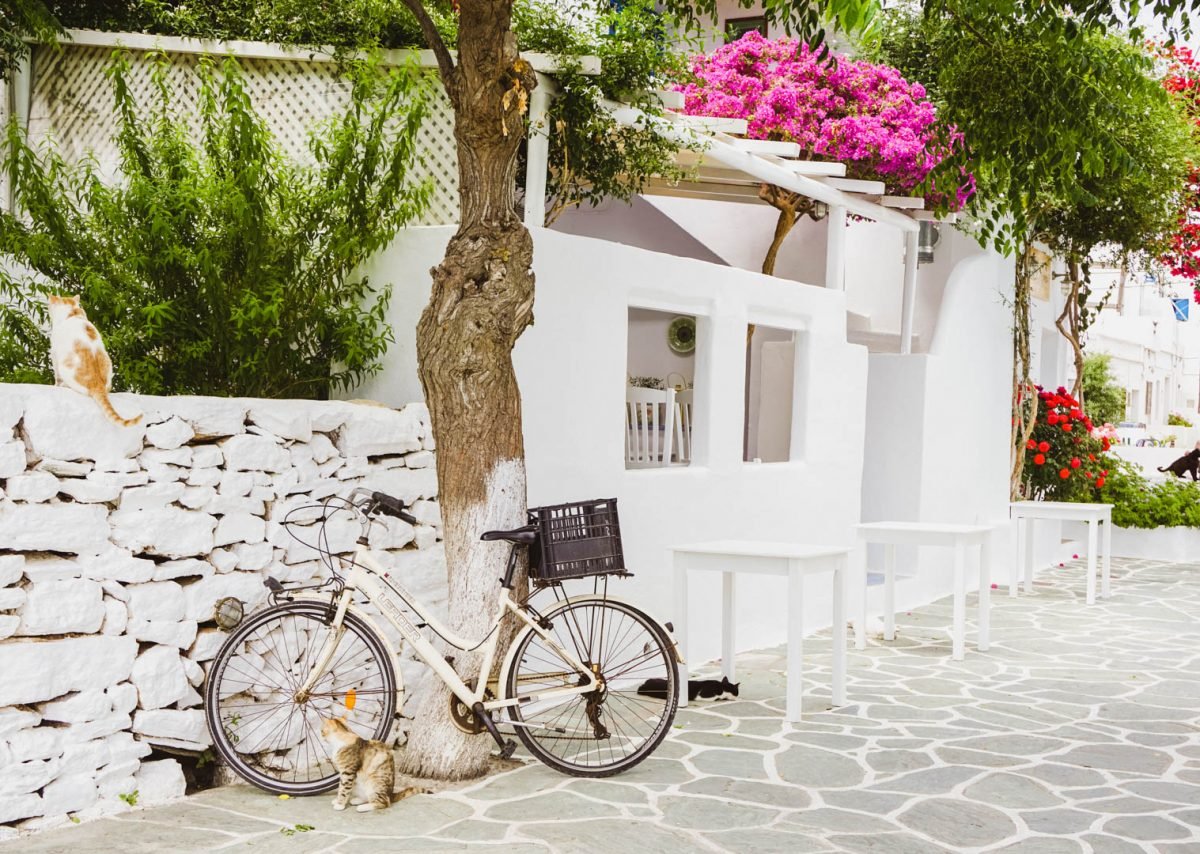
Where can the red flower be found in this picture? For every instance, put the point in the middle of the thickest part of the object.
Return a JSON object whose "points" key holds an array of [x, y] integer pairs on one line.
{"points": [[1092, 458], [1031, 444], [1064, 473], [1100, 482], [1067, 426], [1039, 459], [1051, 418], [1043, 446], [1089, 475], [1104, 473], [1104, 443], [1075, 463]]}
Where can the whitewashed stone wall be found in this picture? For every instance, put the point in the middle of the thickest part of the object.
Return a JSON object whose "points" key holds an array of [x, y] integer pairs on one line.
{"points": [[115, 543]]}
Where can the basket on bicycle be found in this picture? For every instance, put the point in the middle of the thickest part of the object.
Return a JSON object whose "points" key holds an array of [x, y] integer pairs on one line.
{"points": [[575, 541]]}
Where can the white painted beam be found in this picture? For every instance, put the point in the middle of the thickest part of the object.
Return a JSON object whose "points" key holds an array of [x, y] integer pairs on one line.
{"points": [[708, 124], [537, 159], [835, 248], [912, 203], [909, 297], [768, 146], [855, 185]]}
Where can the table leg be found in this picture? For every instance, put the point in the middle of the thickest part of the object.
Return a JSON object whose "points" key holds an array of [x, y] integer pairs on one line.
{"points": [[728, 610], [889, 592], [1106, 582], [839, 631], [1027, 564], [1020, 530], [681, 623], [958, 631], [1091, 561], [985, 593], [859, 575], [795, 643]]}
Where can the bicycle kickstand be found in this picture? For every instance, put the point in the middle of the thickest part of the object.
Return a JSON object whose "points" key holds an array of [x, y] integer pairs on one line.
{"points": [[507, 748]]}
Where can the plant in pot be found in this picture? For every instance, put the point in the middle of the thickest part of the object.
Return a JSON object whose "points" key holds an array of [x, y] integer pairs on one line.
{"points": [[1069, 457]]}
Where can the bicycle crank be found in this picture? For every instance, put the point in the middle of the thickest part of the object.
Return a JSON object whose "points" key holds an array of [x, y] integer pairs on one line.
{"points": [[463, 716]]}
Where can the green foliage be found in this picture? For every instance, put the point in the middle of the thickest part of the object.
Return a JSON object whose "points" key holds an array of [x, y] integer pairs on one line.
{"points": [[1177, 420], [1140, 504], [592, 157], [21, 19], [1103, 399], [212, 265], [131, 798]]}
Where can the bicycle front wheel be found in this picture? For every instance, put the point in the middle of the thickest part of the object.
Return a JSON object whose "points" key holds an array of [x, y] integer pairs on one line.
{"points": [[259, 726], [613, 728]]}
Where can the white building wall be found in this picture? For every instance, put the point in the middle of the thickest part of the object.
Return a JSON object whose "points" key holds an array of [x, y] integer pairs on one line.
{"points": [[571, 365]]}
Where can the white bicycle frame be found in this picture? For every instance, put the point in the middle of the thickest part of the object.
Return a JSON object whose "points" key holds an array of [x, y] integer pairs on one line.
{"points": [[366, 577]]}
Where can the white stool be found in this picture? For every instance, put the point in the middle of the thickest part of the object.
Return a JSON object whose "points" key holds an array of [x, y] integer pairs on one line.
{"points": [[1023, 514]]}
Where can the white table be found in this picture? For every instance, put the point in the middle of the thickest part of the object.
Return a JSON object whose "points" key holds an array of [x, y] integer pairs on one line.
{"points": [[1023, 514], [957, 537], [793, 560]]}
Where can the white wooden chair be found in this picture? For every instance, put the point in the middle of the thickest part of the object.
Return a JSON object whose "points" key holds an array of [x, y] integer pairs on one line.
{"points": [[649, 427], [683, 427]]}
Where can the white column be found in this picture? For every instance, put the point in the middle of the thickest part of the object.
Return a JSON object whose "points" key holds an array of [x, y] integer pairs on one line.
{"points": [[537, 159], [835, 248], [908, 307], [20, 95]]}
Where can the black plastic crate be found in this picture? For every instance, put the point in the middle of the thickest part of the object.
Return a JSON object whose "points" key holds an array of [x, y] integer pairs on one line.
{"points": [[576, 540]]}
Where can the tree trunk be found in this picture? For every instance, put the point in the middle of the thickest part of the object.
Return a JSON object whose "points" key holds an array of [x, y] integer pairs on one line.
{"points": [[1070, 325], [482, 301], [1024, 409]]}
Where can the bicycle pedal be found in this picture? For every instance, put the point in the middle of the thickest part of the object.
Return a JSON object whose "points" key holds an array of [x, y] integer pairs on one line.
{"points": [[509, 748]]}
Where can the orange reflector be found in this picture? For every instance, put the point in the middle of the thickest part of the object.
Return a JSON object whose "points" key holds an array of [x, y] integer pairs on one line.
{"points": [[351, 699]]}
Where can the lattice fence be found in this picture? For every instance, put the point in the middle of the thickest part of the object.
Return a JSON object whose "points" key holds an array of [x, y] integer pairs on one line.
{"points": [[72, 104]]}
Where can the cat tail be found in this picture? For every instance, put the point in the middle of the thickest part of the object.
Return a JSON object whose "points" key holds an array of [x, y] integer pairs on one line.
{"points": [[101, 398], [1162, 469]]}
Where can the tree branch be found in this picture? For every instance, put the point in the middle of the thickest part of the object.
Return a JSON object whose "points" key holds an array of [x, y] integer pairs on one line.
{"points": [[430, 31]]}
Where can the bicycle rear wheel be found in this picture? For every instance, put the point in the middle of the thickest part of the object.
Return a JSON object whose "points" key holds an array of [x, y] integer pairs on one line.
{"points": [[613, 728], [257, 726]]}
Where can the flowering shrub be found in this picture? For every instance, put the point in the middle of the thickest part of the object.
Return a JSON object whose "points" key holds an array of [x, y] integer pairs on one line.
{"points": [[1065, 458], [865, 115], [1182, 79]]}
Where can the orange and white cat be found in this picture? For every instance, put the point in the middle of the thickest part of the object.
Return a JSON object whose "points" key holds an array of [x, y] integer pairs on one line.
{"points": [[77, 353]]}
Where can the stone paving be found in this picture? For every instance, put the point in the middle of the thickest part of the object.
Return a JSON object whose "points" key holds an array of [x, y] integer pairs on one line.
{"points": [[1078, 731]]}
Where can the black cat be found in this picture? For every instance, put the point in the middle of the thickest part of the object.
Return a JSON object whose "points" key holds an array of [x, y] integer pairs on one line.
{"points": [[1189, 463], [698, 689]]}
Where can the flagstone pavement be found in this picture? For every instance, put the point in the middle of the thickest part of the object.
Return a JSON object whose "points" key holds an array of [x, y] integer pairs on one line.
{"points": [[1079, 730]]}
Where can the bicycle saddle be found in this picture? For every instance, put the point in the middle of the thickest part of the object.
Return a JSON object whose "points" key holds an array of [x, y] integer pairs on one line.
{"points": [[525, 536]]}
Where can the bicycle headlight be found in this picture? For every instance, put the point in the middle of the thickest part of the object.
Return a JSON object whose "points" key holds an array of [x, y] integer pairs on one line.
{"points": [[228, 613]]}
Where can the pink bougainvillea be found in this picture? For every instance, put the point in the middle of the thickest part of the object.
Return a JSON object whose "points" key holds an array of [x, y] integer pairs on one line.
{"points": [[864, 115]]}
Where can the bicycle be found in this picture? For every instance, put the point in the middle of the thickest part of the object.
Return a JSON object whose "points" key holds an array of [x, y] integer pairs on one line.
{"points": [[568, 683]]}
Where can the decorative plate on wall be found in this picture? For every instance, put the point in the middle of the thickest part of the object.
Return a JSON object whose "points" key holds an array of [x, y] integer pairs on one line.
{"points": [[681, 335]]}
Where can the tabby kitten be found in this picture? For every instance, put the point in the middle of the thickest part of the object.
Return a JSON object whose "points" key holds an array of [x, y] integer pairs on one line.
{"points": [[77, 353], [367, 768]]}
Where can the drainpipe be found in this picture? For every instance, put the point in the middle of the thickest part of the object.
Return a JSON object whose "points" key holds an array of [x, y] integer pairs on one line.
{"points": [[20, 86], [908, 306], [537, 158], [835, 249]]}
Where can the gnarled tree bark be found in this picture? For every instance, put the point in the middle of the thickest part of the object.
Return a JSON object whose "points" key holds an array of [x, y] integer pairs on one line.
{"points": [[482, 301]]}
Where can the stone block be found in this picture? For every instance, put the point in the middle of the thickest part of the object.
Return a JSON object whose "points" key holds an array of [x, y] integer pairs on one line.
{"points": [[197, 497], [34, 744], [287, 419], [31, 487], [63, 425], [186, 568], [249, 452], [42, 670], [177, 634], [157, 600], [20, 778], [236, 483], [15, 720], [425, 537], [159, 678], [9, 623], [253, 557], [52, 568], [12, 405], [76, 708], [122, 698], [12, 569], [12, 459], [376, 430], [72, 528], [194, 672], [427, 513], [204, 594], [89, 490], [164, 531], [229, 504], [116, 617], [186, 725], [17, 807], [419, 459], [207, 456], [159, 782], [208, 643], [158, 457], [73, 606], [65, 468], [209, 417], [409, 485], [223, 560], [204, 477], [160, 473], [389, 533], [69, 793], [151, 495], [85, 757], [11, 598], [114, 564], [239, 528], [170, 434]]}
